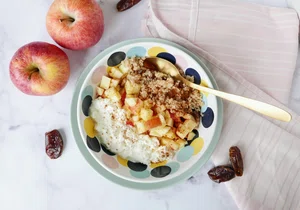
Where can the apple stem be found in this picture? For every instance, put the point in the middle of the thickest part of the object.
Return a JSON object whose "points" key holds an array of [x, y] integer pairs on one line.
{"points": [[69, 19], [33, 71]]}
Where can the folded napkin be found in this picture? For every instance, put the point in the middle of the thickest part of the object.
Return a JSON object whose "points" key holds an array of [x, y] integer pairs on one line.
{"points": [[251, 51]]}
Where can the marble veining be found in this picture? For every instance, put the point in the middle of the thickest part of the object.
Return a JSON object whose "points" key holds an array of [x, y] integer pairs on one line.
{"points": [[28, 178]]}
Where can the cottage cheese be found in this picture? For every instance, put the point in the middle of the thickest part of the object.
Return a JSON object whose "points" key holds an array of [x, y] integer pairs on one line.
{"points": [[122, 139]]}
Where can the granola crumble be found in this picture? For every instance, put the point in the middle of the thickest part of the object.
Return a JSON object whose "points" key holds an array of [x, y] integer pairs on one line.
{"points": [[162, 90]]}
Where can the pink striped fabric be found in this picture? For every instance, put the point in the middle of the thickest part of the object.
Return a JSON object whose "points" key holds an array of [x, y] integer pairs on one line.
{"points": [[259, 42], [255, 59]]}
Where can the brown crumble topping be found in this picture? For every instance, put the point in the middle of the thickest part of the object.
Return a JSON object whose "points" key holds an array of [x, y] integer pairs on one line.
{"points": [[162, 90]]}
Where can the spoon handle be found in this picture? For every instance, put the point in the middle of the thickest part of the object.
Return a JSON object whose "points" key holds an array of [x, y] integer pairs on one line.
{"points": [[258, 106]]}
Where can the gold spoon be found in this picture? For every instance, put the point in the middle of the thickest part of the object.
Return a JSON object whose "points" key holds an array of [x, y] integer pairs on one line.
{"points": [[258, 106]]}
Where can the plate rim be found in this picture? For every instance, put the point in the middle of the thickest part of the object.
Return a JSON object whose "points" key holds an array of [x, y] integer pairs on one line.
{"points": [[116, 179]]}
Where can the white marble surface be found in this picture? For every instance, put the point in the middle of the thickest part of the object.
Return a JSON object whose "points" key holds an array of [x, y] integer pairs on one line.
{"points": [[29, 180]]}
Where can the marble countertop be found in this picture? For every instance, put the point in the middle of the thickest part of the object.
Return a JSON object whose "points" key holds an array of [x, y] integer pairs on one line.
{"points": [[28, 178]]}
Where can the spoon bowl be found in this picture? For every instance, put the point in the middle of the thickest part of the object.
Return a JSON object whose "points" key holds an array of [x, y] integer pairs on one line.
{"points": [[254, 105]]}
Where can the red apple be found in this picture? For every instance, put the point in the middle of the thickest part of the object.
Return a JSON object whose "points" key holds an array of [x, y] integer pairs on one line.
{"points": [[39, 68], [75, 24]]}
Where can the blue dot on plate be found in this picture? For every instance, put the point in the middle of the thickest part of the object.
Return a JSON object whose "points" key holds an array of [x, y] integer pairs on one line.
{"points": [[137, 51], [193, 72], [88, 90], [174, 166], [140, 174], [204, 106], [185, 154], [208, 118], [167, 56], [86, 103]]}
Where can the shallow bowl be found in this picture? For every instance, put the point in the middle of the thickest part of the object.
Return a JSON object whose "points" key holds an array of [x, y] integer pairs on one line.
{"points": [[188, 160]]}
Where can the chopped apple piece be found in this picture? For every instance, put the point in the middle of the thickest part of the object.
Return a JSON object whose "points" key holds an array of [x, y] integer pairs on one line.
{"points": [[132, 88], [181, 131], [135, 118], [128, 114], [115, 73], [165, 141], [105, 82], [146, 114], [162, 119], [141, 128], [169, 120], [174, 145], [131, 96], [129, 123], [131, 101], [190, 124], [188, 117], [114, 82], [185, 128], [137, 108], [159, 131], [126, 107], [113, 94], [124, 69], [171, 133], [148, 104], [181, 143], [169, 143], [108, 69], [175, 117], [118, 88], [191, 136], [100, 91], [160, 108], [153, 122]]}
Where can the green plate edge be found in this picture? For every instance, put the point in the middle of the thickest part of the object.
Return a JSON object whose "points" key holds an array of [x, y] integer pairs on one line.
{"points": [[123, 182]]}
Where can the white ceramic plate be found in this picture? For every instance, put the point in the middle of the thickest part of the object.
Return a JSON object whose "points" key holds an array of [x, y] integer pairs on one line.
{"points": [[136, 175]]}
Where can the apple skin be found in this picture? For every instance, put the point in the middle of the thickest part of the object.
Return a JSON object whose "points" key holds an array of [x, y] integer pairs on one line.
{"points": [[39, 68], [152, 123], [75, 24]]}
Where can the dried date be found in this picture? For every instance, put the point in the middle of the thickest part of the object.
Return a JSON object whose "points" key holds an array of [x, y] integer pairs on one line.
{"points": [[221, 174], [126, 4], [54, 144], [236, 160]]}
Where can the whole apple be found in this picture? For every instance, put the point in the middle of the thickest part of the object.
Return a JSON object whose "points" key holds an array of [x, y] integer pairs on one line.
{"points": [[75, 24], [39, 68]]}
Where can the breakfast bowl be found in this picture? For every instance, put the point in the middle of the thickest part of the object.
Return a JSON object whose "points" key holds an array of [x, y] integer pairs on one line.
{"points": [[126, 172]]}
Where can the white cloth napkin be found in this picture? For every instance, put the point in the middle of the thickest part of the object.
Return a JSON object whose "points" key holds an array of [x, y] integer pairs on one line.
{"points": [[241, 43]]}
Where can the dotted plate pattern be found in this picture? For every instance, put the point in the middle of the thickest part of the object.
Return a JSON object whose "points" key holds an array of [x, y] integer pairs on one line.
{"points": [[197, 149], [139, 170]]}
